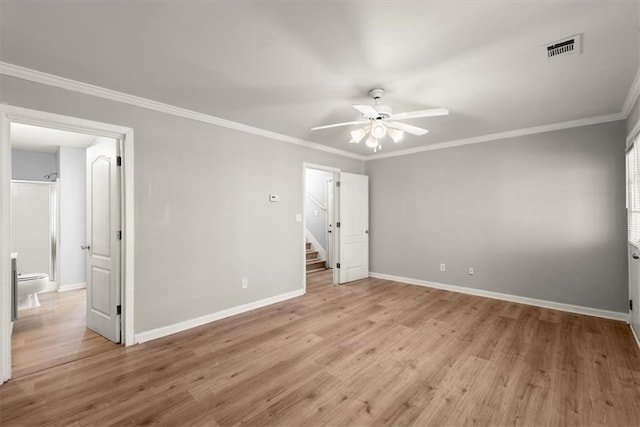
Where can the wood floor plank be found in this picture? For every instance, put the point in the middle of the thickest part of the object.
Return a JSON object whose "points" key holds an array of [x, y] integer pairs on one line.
{"points": [[372, 352], [54, 334]]}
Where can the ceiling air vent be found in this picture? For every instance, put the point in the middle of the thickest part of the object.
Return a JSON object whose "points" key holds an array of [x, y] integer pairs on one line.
{"points": [[565, 47]]}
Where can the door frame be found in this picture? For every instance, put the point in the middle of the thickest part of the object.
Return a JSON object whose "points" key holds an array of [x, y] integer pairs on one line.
{"points": [[13, 114], [329, 218], [336, 210]]}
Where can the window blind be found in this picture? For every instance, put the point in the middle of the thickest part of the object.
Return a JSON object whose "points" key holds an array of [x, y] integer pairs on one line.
{"points": [[633, 195]]}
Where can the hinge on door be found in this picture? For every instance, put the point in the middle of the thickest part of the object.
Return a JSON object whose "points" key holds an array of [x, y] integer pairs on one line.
{"points": [[338, 265], [118, 309], [119, 161], [338, 224], [630, 304], [337, 183], [119, 234]]}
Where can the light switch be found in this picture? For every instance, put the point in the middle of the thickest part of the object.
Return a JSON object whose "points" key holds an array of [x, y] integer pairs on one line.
{"points": [[274, 197], [298, 217]]}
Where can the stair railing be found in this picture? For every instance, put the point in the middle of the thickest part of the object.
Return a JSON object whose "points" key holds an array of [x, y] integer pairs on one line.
{"points": [[315, 201]]}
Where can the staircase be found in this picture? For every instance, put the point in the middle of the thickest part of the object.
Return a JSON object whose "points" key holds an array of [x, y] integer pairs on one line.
{"points": [[314, 263]]}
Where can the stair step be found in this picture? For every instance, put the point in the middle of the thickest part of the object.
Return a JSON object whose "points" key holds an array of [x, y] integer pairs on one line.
{"points": [[311, 254], [308, 245], [316, 270], [315, 264]]}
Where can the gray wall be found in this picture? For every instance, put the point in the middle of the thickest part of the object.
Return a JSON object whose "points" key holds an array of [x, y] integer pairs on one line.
{"points": [[202, 216], [540, 216], [316, 216], [73, 210], [32, 165]]}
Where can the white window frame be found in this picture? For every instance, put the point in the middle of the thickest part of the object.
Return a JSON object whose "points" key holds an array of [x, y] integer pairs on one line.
{"points": [[632, 166]]}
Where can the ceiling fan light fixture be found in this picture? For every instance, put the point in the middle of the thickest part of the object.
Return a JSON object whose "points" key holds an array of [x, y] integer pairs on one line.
{"points": [[378, 121], [357, 135], [372, 141], [395, 134], [378, 130]]}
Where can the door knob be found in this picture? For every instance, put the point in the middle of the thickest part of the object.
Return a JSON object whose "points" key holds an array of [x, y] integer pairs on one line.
{"points": [[635, 256], [83, 247]]}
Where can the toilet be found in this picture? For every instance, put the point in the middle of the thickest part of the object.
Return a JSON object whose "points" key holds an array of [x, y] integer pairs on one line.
{"points": [[29, 284]]}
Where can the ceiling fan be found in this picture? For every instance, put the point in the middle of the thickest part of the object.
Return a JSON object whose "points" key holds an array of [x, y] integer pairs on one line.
{"points": [[380, 121]]}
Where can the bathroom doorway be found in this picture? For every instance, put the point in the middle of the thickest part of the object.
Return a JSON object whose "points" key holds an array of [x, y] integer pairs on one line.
{"points": [[64, 315], [50, 213]]}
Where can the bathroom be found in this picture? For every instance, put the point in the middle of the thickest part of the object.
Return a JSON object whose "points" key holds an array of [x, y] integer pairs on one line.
{"points": [[48, 233]]}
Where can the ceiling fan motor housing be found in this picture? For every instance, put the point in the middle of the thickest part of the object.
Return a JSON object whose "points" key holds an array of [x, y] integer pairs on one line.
{"points": [[384, 112]]}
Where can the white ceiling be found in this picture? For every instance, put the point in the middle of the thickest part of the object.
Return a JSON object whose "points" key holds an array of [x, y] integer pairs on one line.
{"points": [[36, 138], [289, 66]]}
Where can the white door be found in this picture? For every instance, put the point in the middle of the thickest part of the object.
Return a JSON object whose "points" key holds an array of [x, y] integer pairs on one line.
{"points": [[329, 223], [634, 288], [354, 227], [103, 225]]}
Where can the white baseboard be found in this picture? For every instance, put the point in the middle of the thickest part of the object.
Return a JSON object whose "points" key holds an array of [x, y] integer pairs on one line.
{"points": [[633, 331], [199, 321], [507, 297], [72, 287], [322, 254]]}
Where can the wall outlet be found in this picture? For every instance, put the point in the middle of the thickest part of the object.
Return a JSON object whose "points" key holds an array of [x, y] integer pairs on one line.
{"points": [[470, 271], [443, 267], [245, 283]]}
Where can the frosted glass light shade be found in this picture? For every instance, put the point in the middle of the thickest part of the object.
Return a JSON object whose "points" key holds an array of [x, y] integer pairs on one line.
{"points": [[378, 130], [395, 134], [357, 135], [372, 142]]}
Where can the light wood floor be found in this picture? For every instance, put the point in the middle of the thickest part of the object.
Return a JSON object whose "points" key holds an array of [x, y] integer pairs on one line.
{"points": [[372, 352], [53, 334]]}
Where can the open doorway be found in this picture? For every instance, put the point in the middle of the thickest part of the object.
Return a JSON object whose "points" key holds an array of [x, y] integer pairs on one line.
{"points": [[51, 222], [78, 300], [320, 213], [336, 225]]}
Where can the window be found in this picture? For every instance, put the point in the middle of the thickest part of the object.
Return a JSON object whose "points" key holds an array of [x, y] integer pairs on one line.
{"points": [[633, 195]]}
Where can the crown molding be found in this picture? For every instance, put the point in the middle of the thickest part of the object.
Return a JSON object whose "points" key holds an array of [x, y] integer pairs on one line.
{"points": [[632, 95], [35, 76], [503, 135]]}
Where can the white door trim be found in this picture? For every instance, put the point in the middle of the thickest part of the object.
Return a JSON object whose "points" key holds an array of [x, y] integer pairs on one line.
{"points": [[329, 220], [336, 237], [12, 114]]}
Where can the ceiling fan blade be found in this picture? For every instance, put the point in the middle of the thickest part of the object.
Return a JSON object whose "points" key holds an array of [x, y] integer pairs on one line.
{"points": [[413, 130], [367, 110], [359, 122], [431, 112]]}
